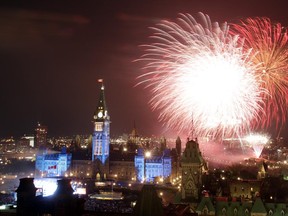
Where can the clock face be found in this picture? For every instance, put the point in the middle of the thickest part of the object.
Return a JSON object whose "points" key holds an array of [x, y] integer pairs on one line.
{"points": [[100, 114]]}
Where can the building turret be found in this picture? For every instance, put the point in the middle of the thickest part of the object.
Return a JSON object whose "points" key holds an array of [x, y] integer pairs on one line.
{"points": [[178, 145], [193, 166], [163, 144]]}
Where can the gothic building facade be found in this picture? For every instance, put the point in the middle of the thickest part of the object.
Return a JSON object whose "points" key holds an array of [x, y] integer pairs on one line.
{"points": [[52, 164], [101, 138], [193, 166], [156, 165]]}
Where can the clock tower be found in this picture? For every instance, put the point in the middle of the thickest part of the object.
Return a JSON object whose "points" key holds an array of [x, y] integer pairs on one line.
{"points": [[101, 137], [193, 166]]}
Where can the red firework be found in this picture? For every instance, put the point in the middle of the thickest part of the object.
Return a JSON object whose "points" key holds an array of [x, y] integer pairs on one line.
{"points": [[268, 44]]}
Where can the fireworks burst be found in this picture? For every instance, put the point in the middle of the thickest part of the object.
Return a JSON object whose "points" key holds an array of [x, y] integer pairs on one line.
{"points": [[269, 43], [199, 73], [258, 142]]}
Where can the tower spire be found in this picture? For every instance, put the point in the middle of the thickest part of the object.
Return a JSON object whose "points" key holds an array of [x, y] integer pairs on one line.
{"points": [[101, 111], [191, 135], [101, 133]]}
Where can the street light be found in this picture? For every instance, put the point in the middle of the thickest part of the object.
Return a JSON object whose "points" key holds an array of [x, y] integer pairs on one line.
{"points": [[146, 155]]}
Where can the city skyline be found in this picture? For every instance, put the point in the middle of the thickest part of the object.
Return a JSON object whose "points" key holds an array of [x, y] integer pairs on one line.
{"points": [[54, 53]]}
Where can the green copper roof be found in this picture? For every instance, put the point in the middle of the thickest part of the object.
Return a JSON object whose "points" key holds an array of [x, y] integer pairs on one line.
{"points": [[232, 208], [258, 207], [205, 203]]}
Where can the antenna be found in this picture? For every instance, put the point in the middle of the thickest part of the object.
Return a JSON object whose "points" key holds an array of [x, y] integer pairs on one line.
{"points": [[192, 127], [102, 82]]}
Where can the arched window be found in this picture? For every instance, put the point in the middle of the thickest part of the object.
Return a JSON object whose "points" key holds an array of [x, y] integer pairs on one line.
{"points": [[246, 211], [205, 211], [282, 212], [235, 212], [224, 212], [270, 212]]}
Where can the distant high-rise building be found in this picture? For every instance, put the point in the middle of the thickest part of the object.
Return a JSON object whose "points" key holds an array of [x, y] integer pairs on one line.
{"points": [[101, 137], [31, 140], [41, 135]]}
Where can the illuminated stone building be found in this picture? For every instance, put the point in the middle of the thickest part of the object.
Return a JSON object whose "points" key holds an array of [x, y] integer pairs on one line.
{"points": [[101, 138], [193, 166], [52, 164], [245, 189], [151, 166], [40, 135]]}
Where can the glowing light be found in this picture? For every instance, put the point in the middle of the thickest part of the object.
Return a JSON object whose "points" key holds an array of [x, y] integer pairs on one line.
{"points": [[258, 142], [200, 76], [48, 185], [148, 154], [268, 42]]}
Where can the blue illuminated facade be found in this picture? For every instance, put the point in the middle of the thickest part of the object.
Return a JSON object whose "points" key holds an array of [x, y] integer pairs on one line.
{"points": [[101, 133], [52, 164], [158, 165]]}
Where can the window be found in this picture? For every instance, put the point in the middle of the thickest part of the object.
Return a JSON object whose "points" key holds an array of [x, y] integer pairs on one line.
{"points": [[246, 211], [235, 211], [224, 212], [205, 210]]}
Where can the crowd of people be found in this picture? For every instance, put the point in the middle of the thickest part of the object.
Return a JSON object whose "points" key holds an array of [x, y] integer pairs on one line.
{"points": [[7, 198], [115, 206]]}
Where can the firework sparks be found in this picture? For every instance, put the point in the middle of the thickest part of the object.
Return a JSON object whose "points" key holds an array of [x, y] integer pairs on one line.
{"points": [[269, 47], [258, 142], [198, 73]]}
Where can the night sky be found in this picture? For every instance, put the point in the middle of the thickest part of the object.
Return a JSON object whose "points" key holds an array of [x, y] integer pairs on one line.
{"points": [[53, 52]]}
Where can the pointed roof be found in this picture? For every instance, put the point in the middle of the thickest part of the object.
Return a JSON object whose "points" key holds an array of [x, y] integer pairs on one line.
{"points": [[101, 111], [192, 153], [205, 203], [258, 206], [134, 131]]}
